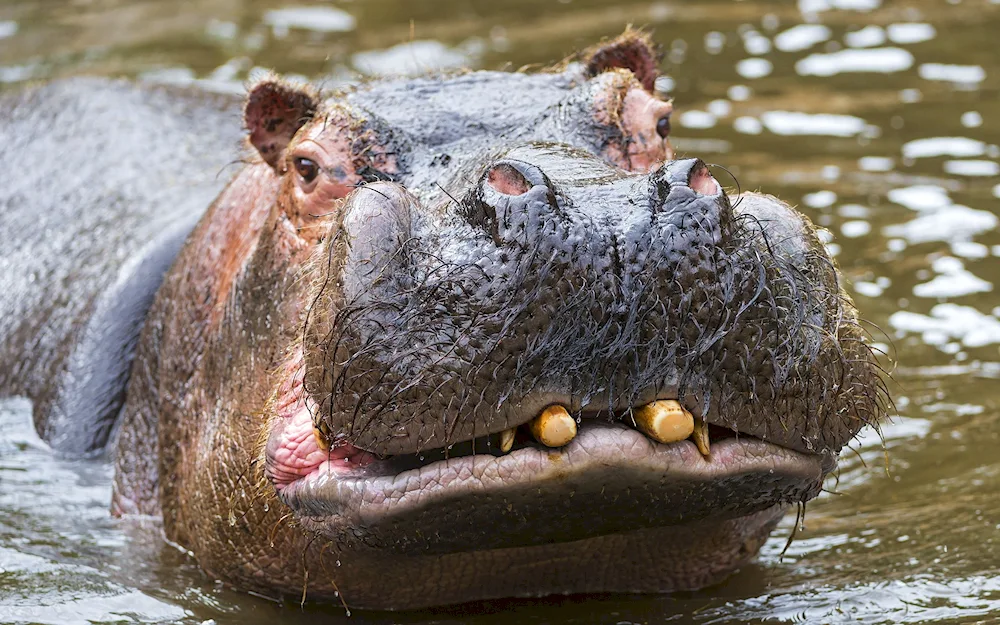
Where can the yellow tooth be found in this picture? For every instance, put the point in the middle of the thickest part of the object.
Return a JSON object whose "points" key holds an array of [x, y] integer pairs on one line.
{"points": [[664, 421], [700, 437], [320, 440], [554, 427], [507, 439]]}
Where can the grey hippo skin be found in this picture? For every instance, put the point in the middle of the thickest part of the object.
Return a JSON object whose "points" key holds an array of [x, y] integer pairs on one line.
{"points": [[342, 384], [103, 181]]}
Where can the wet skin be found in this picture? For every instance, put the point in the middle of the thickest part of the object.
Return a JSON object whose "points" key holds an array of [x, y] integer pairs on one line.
{"points": [[405, 271]]}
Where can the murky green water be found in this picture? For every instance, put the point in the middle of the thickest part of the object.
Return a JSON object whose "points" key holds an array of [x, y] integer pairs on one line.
{"points": [[880, 118]]}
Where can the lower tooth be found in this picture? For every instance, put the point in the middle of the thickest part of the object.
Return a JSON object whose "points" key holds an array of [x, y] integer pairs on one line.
{"points": [[700, 436], [554, 427], [507, 439], [664, 421], [320, 440]]}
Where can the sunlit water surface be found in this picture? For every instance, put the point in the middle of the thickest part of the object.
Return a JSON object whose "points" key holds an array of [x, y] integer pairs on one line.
{"points": [[880, 119]]}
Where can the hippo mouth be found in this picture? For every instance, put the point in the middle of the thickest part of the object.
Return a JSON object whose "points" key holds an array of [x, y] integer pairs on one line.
{"points": [[610, 478]]}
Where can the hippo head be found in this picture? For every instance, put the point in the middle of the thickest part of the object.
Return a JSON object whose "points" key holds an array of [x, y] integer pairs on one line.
{"points": [[470, 301]]}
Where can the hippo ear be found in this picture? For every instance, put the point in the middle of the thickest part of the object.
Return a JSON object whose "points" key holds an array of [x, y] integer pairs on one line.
{"points": [[633, 50], [274, 112]]}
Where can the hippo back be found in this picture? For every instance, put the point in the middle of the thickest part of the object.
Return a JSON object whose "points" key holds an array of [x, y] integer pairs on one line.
{"points": [[103, 182]]}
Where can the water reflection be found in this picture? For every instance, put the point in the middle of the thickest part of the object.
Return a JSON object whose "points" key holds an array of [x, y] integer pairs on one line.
{"points": [[418, 57], [318, 19], [801, 37], [950, 322], [867, 37], [874, 60], [795, 123], [962, 74]]}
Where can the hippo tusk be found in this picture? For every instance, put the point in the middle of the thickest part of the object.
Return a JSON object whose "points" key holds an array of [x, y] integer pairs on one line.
{"points": [[507, 439], [320, 440], [700, 436], [664, 421], [554, 427]]}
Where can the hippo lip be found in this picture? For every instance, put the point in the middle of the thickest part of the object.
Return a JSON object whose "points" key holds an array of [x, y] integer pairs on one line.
{"points": [[611, 478]]}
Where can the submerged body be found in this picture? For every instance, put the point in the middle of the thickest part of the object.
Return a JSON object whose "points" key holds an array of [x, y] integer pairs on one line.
{"points": [[343, 383], [105, 181]]}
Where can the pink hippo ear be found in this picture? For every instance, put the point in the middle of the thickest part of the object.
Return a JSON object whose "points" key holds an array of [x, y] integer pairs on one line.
{"points": [[274, 112], [632, 50]]}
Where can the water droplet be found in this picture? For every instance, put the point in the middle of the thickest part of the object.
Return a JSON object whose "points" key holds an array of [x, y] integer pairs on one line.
{"points": [[338, 562], [266, 507]]}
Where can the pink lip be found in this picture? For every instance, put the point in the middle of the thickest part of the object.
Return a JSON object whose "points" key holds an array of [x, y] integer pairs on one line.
{"points": [[293, 451]]}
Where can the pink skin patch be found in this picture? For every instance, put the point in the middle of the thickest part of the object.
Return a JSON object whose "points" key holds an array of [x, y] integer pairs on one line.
{"points": [[640, 114], [702, 182], [507, 180], [621, 101], [293, 451]]}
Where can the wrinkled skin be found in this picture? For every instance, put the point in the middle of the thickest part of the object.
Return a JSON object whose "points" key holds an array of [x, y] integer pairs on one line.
{"points": [[405, 270]]}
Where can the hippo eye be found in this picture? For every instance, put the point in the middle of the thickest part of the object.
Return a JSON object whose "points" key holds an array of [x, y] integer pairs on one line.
{"points": [[306, 168], [663, 126]]}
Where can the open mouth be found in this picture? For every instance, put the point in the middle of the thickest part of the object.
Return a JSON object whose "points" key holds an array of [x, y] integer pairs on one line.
{"points": [[557, 478]]}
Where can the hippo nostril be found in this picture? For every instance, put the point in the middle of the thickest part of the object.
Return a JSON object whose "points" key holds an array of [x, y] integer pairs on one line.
{"points": [[507, 180], [701, 181], [509, 192], [684, 176]]}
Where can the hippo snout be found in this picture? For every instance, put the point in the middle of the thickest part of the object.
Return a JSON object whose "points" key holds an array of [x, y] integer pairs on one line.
{"points": [[557, 280]]}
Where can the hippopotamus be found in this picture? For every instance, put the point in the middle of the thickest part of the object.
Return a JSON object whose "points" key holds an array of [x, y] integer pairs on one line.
{"points": [[435, 340]]}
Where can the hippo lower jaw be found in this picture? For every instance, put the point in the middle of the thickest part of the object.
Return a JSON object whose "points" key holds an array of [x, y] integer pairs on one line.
{"points": [[610, 479]]}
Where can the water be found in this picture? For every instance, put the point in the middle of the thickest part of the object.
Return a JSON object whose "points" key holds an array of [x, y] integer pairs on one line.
{"points": [[880, 119]]}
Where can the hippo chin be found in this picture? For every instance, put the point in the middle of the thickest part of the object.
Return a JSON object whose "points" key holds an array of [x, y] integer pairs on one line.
{"points": [[456, 338]]}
